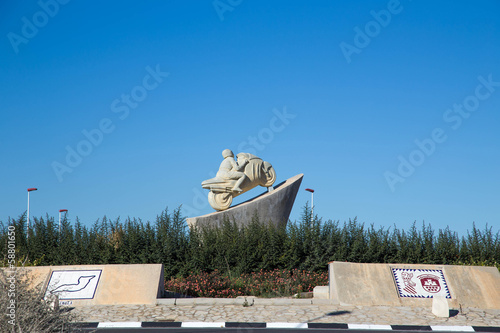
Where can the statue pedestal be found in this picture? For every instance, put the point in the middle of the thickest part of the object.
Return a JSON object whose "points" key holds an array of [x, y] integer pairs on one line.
{"points": [[272, 206]]}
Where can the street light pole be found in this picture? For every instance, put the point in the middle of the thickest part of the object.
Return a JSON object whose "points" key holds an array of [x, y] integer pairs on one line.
{"points": [[60, 211], [312, 203], [28, 220]]}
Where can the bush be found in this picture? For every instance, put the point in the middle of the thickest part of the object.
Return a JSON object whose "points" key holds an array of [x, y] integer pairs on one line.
{"points": [[30, 313], [308, 244], [275, 283]]}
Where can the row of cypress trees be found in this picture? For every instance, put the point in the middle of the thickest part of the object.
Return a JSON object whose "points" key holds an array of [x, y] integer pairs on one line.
{"points": [[308, 244]]}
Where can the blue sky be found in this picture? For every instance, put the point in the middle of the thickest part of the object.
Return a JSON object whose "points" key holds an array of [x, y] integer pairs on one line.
{"points": [[390, 109]]}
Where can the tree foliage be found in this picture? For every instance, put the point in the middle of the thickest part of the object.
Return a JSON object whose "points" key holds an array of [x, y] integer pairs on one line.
{"points": [[308, 244]]}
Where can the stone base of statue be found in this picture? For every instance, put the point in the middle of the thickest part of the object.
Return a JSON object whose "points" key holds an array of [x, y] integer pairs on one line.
{"points": [[270, 207]]}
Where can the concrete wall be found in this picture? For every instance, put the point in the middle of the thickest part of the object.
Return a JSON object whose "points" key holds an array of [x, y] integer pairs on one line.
{"points": [[373, 284], [118, 284]]}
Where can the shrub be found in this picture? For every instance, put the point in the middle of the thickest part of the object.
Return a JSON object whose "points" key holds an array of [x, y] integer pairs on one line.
{"points": [[308, 244], [275, 283], [23, 307]]}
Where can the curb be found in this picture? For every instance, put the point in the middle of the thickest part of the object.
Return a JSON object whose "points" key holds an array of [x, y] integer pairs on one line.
{"points": [[239, 301], [243, 325]]}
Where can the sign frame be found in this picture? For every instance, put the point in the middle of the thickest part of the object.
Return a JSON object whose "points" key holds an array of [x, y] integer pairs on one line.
{"points": [[86, 280], [420, 283]]}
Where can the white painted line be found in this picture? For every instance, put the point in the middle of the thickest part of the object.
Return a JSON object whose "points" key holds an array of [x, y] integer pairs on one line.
{"points": [[120, 324], [369, 327], [201, 324], [287, 325], [453, 328]]}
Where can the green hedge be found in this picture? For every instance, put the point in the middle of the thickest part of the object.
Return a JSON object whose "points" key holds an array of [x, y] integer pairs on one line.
{"points": [[302, 245]]}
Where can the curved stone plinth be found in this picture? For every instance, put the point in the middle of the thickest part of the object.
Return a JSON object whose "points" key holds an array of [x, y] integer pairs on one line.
{"points": [[274, 207]]}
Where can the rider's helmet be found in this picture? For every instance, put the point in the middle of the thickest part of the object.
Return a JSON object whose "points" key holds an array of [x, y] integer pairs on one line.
{"points": [[227, 153]]}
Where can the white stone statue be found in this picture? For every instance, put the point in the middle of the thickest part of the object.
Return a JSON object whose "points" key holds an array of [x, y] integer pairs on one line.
{"points": [[237, 177]]}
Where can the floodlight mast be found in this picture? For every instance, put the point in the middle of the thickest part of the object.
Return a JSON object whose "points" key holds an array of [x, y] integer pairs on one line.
{"points": [[60, 211], [28, 213], [312, 203]]}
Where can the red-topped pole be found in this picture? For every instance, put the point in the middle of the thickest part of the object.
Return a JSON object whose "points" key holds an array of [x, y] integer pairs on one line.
{"points": [[312, 202], [28, 217], [60, 211]]}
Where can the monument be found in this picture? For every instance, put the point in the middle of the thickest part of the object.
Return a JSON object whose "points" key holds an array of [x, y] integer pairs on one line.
{"points": [[236, 177], [248, 172]]}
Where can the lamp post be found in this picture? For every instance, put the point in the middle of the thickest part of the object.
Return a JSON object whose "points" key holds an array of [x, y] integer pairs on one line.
{"points": [[28, 221], [60, 211], [312, 203]]}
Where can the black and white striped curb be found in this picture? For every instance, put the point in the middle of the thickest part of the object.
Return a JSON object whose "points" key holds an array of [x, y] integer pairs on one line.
{"points": [[243, 325]]}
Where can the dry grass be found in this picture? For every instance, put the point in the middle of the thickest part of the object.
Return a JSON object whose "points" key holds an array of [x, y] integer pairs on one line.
{"points": [[23, 308]]}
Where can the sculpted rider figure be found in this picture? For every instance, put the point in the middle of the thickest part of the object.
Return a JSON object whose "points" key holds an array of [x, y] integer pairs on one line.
{"points": [[229, 169]]}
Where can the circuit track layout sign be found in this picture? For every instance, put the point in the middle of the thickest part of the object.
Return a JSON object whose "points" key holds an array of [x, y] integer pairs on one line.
{"points": [[73, 284]]}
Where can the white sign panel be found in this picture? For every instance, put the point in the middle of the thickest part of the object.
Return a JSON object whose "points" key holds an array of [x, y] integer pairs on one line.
{"points": [[420, 283], [73, 284]]}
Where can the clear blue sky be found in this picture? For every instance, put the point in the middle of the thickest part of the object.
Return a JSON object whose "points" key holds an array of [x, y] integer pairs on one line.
{"points": [[390, 109]]}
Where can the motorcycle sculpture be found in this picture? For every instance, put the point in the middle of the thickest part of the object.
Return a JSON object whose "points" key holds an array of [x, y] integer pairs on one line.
{"points": [[237, 177]]}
